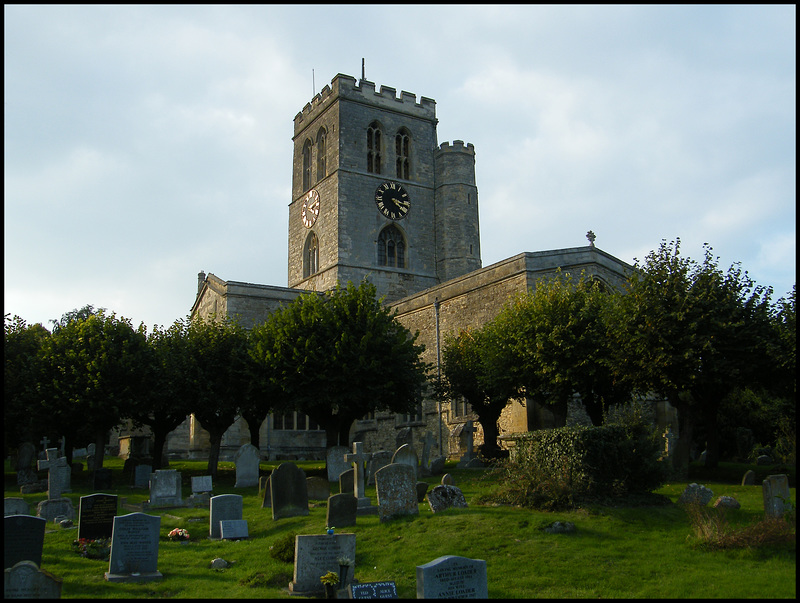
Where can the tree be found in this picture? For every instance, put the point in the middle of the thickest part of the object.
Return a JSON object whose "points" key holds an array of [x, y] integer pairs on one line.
{"points": [[557, 336], [218, 371], [338, 356], [695, 335], [475, 367], [96, 367], [22, 354], [168, 397]]}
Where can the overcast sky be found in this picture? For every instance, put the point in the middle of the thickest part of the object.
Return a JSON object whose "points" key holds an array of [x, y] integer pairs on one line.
{"points": [[144, 144]]}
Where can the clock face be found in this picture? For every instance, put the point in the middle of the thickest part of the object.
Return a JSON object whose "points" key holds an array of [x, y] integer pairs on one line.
{"points": [[392, 200], [310, 209]]}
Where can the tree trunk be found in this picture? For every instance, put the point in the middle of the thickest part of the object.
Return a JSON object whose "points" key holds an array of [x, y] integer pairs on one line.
{"points": [[712, 435], [159, 440], [254, 427], [99, 449], [683, 446], [213, 453], [559, 410]]}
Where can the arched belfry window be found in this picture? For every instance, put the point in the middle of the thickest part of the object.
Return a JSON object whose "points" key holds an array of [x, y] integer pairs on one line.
{"points": [[391, 248], [310, 255], [374, 142], [402, 150], [321, 158], [307, 165]]}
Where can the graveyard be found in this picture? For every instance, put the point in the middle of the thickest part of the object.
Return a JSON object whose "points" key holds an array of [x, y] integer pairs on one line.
{"points": [[454, 543]]}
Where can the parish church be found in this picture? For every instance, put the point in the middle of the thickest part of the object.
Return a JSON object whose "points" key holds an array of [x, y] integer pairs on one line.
{"points": [[375, 195]]}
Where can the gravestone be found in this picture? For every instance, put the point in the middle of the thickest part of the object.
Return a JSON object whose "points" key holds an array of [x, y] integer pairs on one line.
{"points": [[318, 488], [749, 478], [422, 489], [444, 497], [26, 455], [201, 483], [223, 507], [26, 581], [378, 461], [406, 455], [777, 497], [96, 514], [397, 491], [265, 487], [359, 460], [247, 459], [288, 492], [342, 510], [373, 590], [316, 555], [15, 506], [90, 456], [448, 480], [134, 549], [335, 463], [696, 494], [58, 474], [102, 479], [233, 529], [165, 489], [23, 539], [49, 510], [141, 476], [347, 482], [425, 460], [437, 465], [452, 577], [469, 453]]}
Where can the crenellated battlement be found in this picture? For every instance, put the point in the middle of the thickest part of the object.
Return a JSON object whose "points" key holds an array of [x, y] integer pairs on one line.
{"points": [[457, 147], [363, 91]]}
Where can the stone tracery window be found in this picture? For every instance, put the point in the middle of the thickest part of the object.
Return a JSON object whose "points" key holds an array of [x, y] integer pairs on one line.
{"points": [[391, 248], [402, 150], [307, 165], [311, 255], [374, 142], [321, 157]]}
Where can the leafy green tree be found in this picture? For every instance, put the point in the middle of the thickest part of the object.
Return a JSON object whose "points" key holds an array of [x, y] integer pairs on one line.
{"points": [[218, 374], [95, 370], [168, 397], [557, 335], [338, 356], [475, 367], [22, 370], [695, 335]]}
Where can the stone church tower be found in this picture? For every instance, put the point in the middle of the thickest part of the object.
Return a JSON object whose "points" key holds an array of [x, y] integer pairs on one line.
{"points": [[373, 194]]}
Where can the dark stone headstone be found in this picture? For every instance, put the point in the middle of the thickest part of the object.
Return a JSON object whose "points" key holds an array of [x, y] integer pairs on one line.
{"points": [[335, 463], [422, 489], [315, 555], [288, 491], [347, 480], [102, 479], [318, 488], [96, 514], [23, 537], [342, 510], [749, 478]]}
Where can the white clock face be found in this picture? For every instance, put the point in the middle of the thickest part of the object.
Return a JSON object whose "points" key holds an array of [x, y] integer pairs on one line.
{"points": [[310, 209]]}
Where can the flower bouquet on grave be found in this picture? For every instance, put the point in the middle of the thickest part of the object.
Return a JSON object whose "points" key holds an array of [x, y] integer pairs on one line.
{"points": [[329, 581], [99, 548], [178, 535]]}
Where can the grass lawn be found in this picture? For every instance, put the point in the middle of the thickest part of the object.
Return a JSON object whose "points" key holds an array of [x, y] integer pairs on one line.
{"points": [[624, 552]]}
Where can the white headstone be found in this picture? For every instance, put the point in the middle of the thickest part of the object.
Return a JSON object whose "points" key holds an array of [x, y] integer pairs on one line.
{"points": [[335, 463], [26, 581], [452, 577], [134, 548], [247, 459], [165, 489]]}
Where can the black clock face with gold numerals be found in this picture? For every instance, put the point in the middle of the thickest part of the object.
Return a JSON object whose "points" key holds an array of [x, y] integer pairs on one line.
{"points": [[392, 200]]}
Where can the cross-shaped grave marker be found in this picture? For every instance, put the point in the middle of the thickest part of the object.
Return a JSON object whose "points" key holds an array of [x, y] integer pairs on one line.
{"points": [[359, 459], [44, 442], [469, 429], [55, 465]]}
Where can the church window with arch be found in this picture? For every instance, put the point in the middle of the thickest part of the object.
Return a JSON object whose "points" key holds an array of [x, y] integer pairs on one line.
{"points": [[402, 150], [321, 157], [392, 248], [374, 142], [311, 255], [307, 165]]}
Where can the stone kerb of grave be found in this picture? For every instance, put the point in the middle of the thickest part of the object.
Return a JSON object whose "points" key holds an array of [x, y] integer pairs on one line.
{"points": [[452, 577], [316, 555], [26, 581]]}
